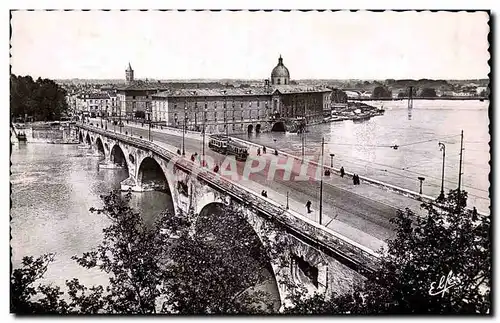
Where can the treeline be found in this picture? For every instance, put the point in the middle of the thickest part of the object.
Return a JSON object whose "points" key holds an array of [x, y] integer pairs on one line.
{"points": [[43, 99]]}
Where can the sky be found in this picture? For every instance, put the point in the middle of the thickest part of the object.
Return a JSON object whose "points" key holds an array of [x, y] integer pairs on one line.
{"points": [[246, 45]]}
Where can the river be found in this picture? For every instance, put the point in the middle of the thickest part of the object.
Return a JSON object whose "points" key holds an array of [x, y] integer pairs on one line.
{"points": [[53, 188], [363, 147]]}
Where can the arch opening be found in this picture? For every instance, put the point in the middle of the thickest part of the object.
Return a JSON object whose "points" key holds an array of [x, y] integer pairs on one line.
{"points": [[257, 128], [241, 247], [118, 157], [151, 176], [100, 146], [279, 127], [80, 137], [250, 128], [87, 140]]}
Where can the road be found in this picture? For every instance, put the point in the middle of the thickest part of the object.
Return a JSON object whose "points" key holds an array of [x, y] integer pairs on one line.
{"points": [[367, 215]]}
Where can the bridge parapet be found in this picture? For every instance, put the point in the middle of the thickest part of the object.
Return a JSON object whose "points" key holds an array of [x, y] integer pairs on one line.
{"points": [[348, 252]]}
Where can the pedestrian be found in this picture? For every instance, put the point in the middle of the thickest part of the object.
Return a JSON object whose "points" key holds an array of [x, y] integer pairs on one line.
{"points": [[357, 179], [264, 149], [342, 172], [192, 157], [474, 211], [308, 206], [216, 168], [275, 152], [265, 193], [178, 151], [258, 151], [354, 179]]}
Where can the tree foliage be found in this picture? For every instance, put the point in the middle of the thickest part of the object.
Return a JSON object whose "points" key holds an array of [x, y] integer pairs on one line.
{"points": [[182, 264], [140, 114], [44, 99], [428, 92], [450, 246], [381, 92], [339, 96]]}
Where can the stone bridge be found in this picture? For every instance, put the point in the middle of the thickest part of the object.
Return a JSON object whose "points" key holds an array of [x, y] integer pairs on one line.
{"points": [[319, 259]]}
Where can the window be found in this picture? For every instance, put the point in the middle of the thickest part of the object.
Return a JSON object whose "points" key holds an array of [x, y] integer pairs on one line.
{"points": [[279, 81]]}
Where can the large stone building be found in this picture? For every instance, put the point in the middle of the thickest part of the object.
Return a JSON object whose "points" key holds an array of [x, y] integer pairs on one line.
{"points": [[277, 106]]}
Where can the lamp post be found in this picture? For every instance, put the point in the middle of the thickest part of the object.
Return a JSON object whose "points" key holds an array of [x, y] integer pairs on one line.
{"points": [[204, 130], [184, 131], [331, 160], [149, 119], [287, 206], [421, 179], [321, 182], [225, 115], [442, 147]]}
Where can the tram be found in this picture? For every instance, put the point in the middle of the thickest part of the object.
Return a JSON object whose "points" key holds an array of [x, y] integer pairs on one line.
{"points": [[218, 143], [224, 145]]}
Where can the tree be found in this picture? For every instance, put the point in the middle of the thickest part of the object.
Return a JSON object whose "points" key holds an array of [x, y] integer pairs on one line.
{"points": [[338, 96], [182, 263], [381, 92], [451, 244], [43, 99], [140, 114], [215, 262], [428, 93], [22, 289]]}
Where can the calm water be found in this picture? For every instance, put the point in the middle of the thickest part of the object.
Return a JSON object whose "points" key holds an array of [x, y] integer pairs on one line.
{"points": [[362, 147], [53, 187]]}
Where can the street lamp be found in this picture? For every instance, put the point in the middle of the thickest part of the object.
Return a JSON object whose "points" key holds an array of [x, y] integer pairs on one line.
{"points": [[149, 119], [421, 179], [204, 130], [442, 147], [321, 182], [184, 131], [331, 160]]}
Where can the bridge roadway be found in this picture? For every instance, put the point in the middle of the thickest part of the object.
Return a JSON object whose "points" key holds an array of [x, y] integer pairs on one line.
{"points": [[358, 217]]}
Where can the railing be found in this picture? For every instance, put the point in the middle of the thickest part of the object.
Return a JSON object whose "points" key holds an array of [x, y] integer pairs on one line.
{"points": [[351, 253]]}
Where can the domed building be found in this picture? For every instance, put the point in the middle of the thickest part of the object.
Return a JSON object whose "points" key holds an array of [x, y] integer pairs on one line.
{"points": [[280, 74], [278, 104]]}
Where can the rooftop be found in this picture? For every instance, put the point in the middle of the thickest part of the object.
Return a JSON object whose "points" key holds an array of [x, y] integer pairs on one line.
{"points": [[246, 91]]}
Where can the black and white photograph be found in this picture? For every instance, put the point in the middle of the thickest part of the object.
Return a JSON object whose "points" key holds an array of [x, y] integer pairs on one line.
{"points": [[250, 162]]}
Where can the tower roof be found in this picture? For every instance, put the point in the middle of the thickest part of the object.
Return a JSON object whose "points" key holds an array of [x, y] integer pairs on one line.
{"points": [[129, 67], [280, 70]]}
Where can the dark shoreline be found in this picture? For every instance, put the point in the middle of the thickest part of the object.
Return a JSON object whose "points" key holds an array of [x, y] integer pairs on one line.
{"points": [[466, 98]]}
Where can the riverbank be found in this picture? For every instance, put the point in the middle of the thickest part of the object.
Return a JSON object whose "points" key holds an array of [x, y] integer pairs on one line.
{"points": [[44, 132]]}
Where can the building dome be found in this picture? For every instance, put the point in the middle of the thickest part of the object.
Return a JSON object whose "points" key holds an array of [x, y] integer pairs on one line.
{"points": [[280, 74]]}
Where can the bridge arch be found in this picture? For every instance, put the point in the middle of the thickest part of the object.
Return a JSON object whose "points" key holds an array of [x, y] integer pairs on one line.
{"points": [[80, 136], [87, 139], [117, 156], [235, 228], [250, 128], [100, 146], [257, 128], [279, 127], [150, 176]]}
